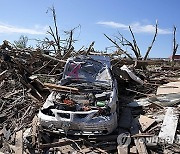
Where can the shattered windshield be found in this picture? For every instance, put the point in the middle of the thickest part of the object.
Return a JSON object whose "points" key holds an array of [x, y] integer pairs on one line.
{"points": [[86, 69]]}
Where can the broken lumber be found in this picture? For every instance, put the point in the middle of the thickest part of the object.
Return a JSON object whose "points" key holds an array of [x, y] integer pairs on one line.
{"points": [[140, 145], [34, 130], [122, 149], [19, 142], [145, 122], [3, 75], [169, 88], [168, 128], [53, 58], [59, 87], [139, 141], [133, 150], [123, 143], [94, 146], [54, 144]]}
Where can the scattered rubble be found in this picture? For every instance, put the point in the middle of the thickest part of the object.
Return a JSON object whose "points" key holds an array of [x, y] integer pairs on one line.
{"points": [[147, 119]]}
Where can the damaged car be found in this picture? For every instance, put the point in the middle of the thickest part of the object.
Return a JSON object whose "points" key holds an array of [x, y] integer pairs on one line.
{"points": [[91, 110]]}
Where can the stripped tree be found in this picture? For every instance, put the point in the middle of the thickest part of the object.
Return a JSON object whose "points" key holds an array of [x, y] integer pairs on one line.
{"points": [[133, 45], [61, 48], [118, 47], [175, 45], [55, 33], [154, 38]]}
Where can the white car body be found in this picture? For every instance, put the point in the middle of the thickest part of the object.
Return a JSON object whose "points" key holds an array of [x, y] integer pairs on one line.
{"points": [[93, 109]]}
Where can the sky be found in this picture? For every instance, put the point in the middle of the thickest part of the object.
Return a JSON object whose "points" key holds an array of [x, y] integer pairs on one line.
{"points": [[93, 19]]}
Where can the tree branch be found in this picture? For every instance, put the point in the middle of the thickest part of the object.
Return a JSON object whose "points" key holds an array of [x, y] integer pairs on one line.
{"points": [[154, 38], [119, 48], [135, 46], [175, 45]]}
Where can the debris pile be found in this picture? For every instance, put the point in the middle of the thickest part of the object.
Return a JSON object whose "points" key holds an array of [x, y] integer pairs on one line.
{"points": [[147, 107]]}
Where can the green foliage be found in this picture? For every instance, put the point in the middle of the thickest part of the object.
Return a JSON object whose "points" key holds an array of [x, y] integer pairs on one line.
{"points": [[22, 42]]}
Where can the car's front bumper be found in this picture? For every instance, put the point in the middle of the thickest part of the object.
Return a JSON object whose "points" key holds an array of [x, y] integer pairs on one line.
{"points": [[100, 125]]}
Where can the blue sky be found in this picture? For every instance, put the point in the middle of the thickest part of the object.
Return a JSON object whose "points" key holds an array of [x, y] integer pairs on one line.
{"points": [[20, 17]]}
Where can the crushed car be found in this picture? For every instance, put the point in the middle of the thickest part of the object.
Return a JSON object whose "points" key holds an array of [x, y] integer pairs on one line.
{"points": [[91, 110]]}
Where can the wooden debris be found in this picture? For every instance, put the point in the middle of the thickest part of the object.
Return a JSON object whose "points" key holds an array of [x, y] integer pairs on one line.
{"points": [[34, 130], [123, 148], [95, 147], [37, 83], [19, 142], [59, 87], [168, 128], [140, 145], [55, 144], [171, 87], [145, 122], [3, 75], [139, 141], [133, 150], [53, 58], [22, 93]]}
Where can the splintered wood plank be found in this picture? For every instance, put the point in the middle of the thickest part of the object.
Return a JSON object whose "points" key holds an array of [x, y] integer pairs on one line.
{"points": [[19, 142], [145, 122], [34, 129], [123, 140], [139, 141], [122, 149], [59, 87], [168, 128], [169, 88], [133, 150], [140, 145], [3, 75]]}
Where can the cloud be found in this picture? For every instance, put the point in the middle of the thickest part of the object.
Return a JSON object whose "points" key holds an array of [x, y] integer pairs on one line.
{"points": [[113, 24], [8, 29], [136, 27]]}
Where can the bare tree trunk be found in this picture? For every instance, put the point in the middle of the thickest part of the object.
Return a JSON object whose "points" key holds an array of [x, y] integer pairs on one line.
{"points": [[55, 34], [135, 46], [154, 38], [175, 45]]}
